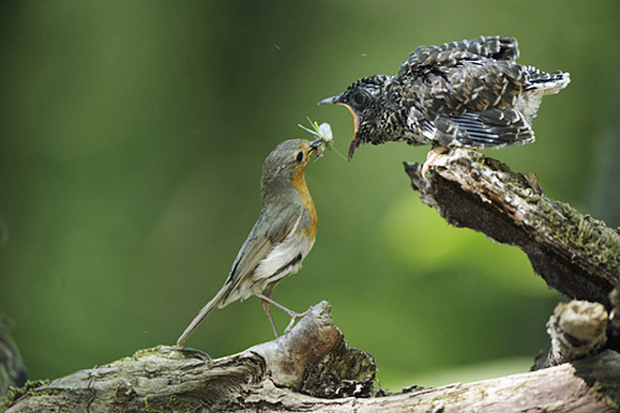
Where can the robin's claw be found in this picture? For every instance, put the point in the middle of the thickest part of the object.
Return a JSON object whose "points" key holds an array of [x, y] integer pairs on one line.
{"points": [[294, 317], [193, 353]]}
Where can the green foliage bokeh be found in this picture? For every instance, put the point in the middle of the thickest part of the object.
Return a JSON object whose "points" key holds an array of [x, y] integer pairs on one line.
{"points": [[132, 137]]}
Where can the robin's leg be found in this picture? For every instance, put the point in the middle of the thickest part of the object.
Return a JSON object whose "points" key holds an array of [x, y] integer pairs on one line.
{"points": [[266, 298], [294, 317], [265, 302]]}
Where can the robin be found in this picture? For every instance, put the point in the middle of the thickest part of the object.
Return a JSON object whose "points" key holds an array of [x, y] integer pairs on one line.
{"points": [[469, 93], [281, 238]]}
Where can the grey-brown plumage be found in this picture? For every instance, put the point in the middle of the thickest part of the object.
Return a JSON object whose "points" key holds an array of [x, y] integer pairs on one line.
{"points": [[281, 238], [469, 93]]}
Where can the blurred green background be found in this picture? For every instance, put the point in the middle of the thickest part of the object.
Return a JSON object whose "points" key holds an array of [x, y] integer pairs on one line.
{"points": [[132, 136]]}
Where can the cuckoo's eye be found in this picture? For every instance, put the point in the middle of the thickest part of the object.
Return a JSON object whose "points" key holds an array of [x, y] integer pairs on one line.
{"points": [[300, 156], [359, 98]]}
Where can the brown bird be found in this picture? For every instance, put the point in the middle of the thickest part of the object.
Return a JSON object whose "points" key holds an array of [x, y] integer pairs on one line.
{"points": [[281, 238], [469, 93]]}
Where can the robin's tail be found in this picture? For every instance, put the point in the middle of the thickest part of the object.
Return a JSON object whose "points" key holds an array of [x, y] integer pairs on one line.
{"points": [[216, 301]]}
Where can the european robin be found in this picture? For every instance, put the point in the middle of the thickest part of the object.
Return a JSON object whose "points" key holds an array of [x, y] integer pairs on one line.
{"points": [[469, 93], [281, 238]]}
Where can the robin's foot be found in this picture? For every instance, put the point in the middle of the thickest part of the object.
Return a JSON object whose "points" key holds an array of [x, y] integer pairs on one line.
{"points": [[294, 316], [192, 352]]}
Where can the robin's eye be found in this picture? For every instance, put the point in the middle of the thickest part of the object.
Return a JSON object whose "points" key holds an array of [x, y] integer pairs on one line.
{"points": [[300, 156]]}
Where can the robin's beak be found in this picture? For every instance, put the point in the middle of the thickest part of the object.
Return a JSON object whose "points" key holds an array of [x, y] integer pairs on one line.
{"points": [[316, 145], [336, 100]]}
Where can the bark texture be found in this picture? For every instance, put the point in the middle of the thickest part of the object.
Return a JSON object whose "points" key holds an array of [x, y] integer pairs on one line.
{"points": [[311, 369], [574, 253]]}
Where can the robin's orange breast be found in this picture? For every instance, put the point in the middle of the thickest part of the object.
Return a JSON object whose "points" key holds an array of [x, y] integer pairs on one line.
{"points": [[299, 183]]}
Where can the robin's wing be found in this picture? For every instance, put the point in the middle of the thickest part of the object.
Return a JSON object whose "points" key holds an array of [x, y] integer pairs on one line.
{"points": [[270, 229]]}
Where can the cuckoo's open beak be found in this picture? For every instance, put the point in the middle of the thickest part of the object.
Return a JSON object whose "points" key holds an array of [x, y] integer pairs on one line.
{"points": [[330, 101], [336, 100]]}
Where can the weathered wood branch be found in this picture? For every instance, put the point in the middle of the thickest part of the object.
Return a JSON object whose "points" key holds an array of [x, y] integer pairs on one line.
{"points": [[312, 369], [575, 254], [309, 369], [312, 359], [577, 329]]}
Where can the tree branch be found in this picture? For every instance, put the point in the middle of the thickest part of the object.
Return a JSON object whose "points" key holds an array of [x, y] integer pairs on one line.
{"points": [[309, 369], [312, 369], [575, 254], [577, 329]]}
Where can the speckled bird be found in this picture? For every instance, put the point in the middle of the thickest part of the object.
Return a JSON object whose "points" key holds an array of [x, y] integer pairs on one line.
{"points": [[469, 93]]}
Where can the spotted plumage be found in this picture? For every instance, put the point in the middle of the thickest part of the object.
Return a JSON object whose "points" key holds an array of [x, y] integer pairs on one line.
{"points": [[469, 93]]}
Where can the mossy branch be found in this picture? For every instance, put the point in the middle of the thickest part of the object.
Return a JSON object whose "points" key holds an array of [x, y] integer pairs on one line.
{"points": [[312, 369], [309, 369], [574, 253]]}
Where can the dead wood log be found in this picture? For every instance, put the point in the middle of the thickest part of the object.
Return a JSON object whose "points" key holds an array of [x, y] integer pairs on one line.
{"points": [[312, 369], [574, 253], [309, 369]]}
